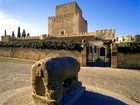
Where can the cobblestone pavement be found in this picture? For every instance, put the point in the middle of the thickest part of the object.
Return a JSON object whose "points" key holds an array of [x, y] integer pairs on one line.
{"points": [[123, 82]]}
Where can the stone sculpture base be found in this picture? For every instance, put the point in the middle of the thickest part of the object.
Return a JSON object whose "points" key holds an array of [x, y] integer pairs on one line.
{"points": [[68, 99], [39, 100], [70, 95]]}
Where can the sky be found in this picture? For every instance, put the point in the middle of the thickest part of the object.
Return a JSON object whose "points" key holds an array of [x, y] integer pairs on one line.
{"points": [[32, 15]]}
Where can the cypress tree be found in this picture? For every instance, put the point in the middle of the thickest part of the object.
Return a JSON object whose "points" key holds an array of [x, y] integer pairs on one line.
{"points": [[28, 35], [23, 33], [13, 34], [5, 33], [18, 33]]}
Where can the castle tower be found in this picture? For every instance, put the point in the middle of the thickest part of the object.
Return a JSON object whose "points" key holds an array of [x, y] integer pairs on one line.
{"points": [[68, 20]]}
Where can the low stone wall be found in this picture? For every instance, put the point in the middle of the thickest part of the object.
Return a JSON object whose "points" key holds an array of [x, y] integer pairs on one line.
{"points": [[128, 60], [37, 54]]}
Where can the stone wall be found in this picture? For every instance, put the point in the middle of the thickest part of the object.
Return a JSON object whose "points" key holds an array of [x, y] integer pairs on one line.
{"points": [[63, 23], [114, 55], [82, 24], [68, 8], [124, 60], [128, 60], [106, 33], [7, 38], [37, 54]]}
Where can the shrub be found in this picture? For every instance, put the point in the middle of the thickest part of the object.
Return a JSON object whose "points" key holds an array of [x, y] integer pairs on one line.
{"points": [[129, 47], [107, 42], [43, 44]]}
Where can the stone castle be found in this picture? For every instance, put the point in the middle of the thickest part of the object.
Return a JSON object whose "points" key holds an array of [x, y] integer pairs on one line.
{"points": [[68, 22]]}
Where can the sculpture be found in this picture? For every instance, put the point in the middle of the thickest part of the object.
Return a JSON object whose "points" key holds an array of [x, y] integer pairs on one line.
{"points": [[53, 78]]}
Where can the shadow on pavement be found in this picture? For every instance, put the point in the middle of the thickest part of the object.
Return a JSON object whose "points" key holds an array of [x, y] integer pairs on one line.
{"points": [[91, 98]]}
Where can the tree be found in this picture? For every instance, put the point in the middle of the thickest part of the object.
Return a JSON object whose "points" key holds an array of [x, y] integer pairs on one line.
{"points": [[18, 33], [137, 37], [28, 35], [13, 34], [5, 33], [23, 33]]}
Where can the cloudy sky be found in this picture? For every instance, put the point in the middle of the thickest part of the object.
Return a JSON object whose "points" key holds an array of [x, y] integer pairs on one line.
{"points": [[32, 15]]}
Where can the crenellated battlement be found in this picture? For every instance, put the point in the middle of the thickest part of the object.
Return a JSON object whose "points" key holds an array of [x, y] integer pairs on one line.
{"points": [[128, 38], [12, 38], [61, 17], [7, 38], [105, 31]]}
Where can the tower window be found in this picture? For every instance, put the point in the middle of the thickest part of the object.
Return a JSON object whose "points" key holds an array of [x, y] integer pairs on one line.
{"points": [[62, 32]]}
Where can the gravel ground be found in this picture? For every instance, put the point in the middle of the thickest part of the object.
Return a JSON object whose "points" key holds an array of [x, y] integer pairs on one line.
{"points": [[13, 76], [124, 82]]}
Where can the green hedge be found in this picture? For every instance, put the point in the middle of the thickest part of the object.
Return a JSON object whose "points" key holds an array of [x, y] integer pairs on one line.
{"points": [[42, 44], [129, 47], [107, 42], [129, 44]]}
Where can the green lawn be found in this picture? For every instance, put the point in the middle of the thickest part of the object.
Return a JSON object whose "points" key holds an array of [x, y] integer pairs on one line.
{"points": [[15, 60]]}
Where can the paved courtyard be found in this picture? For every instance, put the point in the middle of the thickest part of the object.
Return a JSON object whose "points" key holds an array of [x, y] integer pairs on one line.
{"points": [[121, 83]]}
